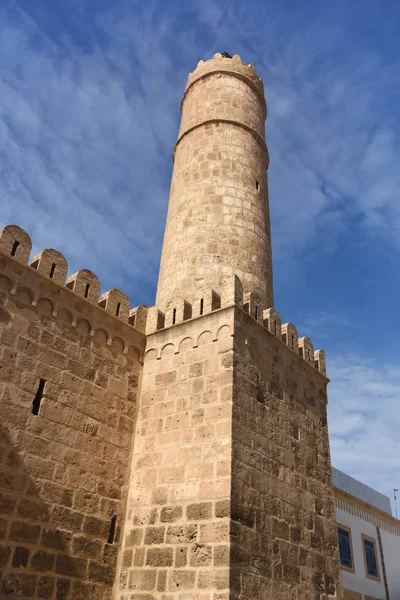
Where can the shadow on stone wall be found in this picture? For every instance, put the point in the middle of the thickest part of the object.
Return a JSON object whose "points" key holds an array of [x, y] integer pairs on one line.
{"points": [[42, 553]]}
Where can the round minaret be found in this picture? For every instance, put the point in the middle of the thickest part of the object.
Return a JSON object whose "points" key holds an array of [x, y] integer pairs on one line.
{"points": [[218, 217]]}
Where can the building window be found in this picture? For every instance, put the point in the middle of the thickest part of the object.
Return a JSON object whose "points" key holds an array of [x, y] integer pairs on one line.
{"points": [[345, 548], [371, 558]]}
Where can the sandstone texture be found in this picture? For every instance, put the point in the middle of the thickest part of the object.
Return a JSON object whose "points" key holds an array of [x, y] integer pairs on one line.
{"points": [[173, 452]]}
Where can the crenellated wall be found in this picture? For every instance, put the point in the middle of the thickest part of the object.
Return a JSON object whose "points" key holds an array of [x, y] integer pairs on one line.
{"points": [[283, 536], [225, 389], [70, 370], [230, 490]]}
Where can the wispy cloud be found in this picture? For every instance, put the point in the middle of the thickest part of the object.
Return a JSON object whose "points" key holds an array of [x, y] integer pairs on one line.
{"points": [[364, 420], [89, 113]]}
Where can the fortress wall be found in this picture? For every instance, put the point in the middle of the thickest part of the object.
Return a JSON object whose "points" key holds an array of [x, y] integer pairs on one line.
{"points": [[284, 537], [69, 375], [176, 542]]}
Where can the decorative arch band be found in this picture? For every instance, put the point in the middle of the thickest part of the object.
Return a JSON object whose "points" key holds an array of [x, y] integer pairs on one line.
{"points": [[260, 140]]}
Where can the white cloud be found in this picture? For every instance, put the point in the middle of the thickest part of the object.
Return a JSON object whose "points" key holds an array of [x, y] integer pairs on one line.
{"points": [[86, 135], [364, 420]]}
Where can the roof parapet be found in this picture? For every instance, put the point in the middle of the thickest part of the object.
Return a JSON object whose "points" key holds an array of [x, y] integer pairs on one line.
{"points": [[50, 263], [15, 242]]}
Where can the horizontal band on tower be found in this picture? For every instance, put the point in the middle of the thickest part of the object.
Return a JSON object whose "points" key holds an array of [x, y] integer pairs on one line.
{"points": [[250, 130], [247, 80]]}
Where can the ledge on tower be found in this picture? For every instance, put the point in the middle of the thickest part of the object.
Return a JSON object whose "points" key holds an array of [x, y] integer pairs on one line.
{"points": [[272, 322], [85, 284], [15, 242], [155, 320], [116, 303], [52, 264], [306, 349], [138, 318], [252, 304], [290, 336], [319, 358], [178, 310], [206, 303], [232, 292]]}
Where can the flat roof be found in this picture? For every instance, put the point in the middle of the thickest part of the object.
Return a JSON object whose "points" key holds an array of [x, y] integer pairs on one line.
{"points": [[359, 490]]}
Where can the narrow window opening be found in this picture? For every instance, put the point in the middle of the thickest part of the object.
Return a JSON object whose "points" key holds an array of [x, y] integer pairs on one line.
{"points": [[35, 264], [201, 306], [87, 290], [14, 248], [38, 397], [275, 327], [257, 185], [52, 270], [132, 320], [292, 341], [113, 526], [256, 312], [174, 316], [118, 309]]}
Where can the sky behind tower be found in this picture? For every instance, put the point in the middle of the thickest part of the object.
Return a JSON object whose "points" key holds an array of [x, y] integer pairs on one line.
{"points": [[89, 113]]}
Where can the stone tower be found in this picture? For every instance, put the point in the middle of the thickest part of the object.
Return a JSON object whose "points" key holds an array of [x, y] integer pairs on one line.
{"points": [[173, 452], [218, 216], [231, 495]]}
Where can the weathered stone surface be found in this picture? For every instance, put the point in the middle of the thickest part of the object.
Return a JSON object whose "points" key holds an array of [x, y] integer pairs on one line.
{"points": [[65, 459], [177, 452]]}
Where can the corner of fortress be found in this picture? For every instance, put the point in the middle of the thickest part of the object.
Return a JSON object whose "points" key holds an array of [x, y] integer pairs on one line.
{"points": [[179, 451]]}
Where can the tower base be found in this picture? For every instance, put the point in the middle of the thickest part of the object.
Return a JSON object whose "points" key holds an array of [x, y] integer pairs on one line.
{"points": [[231, 494]]}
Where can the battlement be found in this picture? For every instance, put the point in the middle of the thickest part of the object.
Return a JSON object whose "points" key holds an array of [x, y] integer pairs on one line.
{"points": [[179, 310], [53, 267], [222, 63]]}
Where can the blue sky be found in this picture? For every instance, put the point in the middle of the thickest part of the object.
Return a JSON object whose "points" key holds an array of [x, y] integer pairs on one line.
{"points": [[89, 113]]}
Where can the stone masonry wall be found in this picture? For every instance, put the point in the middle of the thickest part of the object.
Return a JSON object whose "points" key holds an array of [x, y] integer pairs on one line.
{"points": [[176, 544], [63, 471], [218, 215], [284, 538]]}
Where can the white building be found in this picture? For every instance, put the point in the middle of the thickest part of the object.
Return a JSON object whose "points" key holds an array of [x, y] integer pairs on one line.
{"points": [[369, 540]]}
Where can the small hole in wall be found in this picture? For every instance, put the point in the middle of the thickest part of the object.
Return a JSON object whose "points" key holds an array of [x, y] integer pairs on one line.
{"points": [[87, 290], [52, 270], [14, 248], [118, 309], [113, 526], [295, 432], [38, 398], [201, 306], [174, 317], [257, 185]]}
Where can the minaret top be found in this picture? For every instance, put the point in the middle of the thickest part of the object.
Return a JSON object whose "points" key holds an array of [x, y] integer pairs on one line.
{"points": [[224, 63], [218, 215]]}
